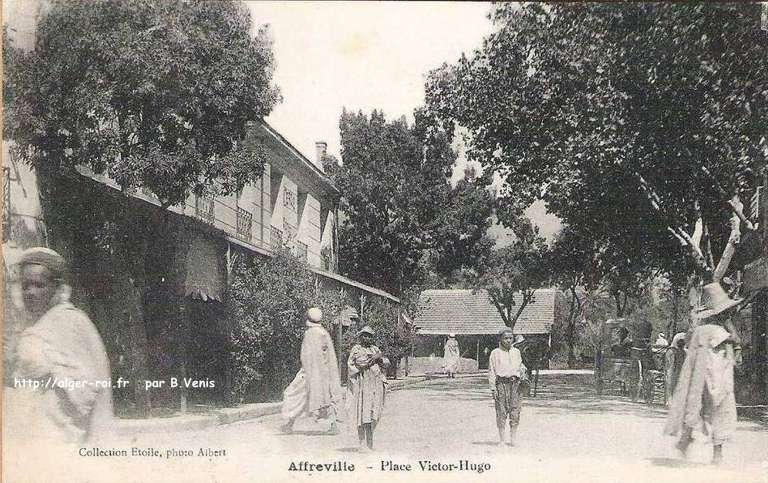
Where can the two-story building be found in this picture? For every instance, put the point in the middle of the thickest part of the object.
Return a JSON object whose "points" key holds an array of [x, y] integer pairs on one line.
{"points": [[173, 321]]}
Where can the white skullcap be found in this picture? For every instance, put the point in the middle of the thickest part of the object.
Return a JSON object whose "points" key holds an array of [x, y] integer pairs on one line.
{"points": [[314, 314]]}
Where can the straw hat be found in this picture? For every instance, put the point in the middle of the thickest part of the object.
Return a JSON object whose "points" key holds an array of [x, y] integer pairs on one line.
{"points": [[451, 335], [714, 301], [366, 330]]}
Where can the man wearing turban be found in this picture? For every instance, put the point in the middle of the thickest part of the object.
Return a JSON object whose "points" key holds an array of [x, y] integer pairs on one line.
{"points": [[61, 375], [316, 389]]}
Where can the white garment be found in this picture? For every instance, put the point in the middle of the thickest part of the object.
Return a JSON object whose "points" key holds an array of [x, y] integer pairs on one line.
{"points": [[503, 363]]}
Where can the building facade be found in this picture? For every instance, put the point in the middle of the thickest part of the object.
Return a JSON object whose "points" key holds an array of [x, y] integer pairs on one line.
{"points": [[470, 315], [172, 319]]}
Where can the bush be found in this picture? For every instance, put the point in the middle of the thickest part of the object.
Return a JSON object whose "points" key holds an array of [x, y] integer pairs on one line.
{"points": [[269, 298]]}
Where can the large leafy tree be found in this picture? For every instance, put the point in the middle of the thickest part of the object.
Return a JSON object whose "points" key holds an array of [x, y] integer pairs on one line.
{"points": [[156, 95], [632, 122], [402, 218], [512, 274]]}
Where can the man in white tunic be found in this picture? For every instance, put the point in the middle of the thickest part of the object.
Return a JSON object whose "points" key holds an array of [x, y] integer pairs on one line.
{"points": [[316, 389], [505, 371]]}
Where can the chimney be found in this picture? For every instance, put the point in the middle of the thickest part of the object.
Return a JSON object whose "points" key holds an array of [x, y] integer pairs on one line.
{"points": [[320, 150]]}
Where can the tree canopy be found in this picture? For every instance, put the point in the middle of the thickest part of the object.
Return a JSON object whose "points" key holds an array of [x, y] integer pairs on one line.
{"points": [[401, 216], [153, 93], [628, 121]]}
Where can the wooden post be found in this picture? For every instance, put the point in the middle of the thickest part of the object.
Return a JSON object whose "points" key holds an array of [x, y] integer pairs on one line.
{"points": [[185, 332], [339, 338], [477, 352]]}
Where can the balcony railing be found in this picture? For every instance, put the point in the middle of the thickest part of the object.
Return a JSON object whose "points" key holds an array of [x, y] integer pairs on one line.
{"points": [[244, 224], [275, 238], [301, 250], [204, 209], [290, 230]]}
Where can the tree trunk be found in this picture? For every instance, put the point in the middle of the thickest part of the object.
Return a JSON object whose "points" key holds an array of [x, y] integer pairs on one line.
{"points": [[672, 327], [129, 296], [571, 330], [67, 200], [619, 306]]}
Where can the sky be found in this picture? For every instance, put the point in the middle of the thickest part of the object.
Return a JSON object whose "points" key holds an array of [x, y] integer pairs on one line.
{"points": [[363, 56], [359, 55]]}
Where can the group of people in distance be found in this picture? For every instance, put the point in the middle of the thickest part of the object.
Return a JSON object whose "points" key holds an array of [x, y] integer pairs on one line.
{"points": [[316, 389]]}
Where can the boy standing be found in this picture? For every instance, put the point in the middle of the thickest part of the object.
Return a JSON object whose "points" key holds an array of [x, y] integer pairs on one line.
{"points": [[505, 371]]}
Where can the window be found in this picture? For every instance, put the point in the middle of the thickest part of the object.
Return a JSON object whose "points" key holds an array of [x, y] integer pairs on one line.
{"points": [[244, 224], [204, 209], [289, 200]]}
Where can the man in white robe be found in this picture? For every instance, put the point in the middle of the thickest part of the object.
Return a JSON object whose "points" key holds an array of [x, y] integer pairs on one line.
{"points": [[61, 377], [316, 389]]}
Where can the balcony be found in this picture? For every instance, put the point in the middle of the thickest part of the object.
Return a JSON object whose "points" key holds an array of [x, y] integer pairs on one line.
{"points": [[275, 238], [290, 230], [244, 225], [204, 209]]}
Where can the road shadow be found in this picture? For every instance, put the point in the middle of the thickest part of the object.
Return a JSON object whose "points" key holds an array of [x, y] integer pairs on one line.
{"points": [[555, 393], [675, 463], [306, 432], [350, 449], [485, 443]]}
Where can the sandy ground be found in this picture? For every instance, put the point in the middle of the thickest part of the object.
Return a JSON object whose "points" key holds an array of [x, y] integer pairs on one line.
{"points": [[566, 434]]}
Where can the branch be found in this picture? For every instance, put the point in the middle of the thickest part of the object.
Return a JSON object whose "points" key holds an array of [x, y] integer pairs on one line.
{"points": [[526, 299], [692, 241], [708, 247], [730, 247], [734, 203], [499, 308]]}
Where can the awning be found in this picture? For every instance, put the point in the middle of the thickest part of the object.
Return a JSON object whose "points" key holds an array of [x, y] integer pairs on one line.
{"points": [[204, 272]]}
